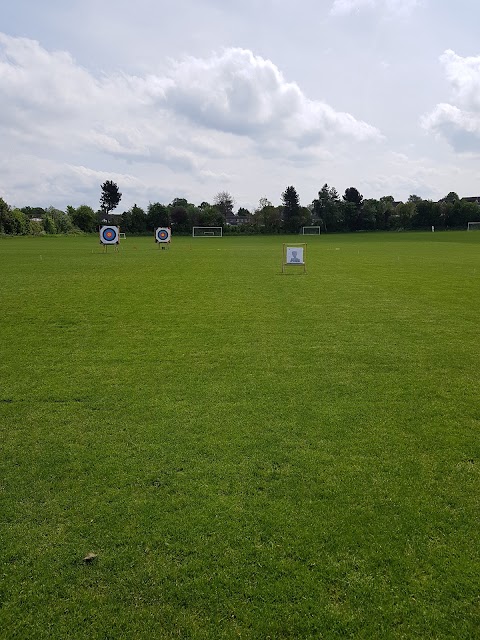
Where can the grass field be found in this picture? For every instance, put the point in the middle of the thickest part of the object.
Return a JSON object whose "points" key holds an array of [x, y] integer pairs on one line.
{"points": [[249, 454]]}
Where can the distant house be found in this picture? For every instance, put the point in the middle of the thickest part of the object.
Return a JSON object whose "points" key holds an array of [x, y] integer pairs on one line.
{"points": [[243, 219], [233, 220], [36, 219]]}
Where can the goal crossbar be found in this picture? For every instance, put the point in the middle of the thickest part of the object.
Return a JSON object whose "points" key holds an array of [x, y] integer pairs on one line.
{"points": [[207, 232], [310, 231]]}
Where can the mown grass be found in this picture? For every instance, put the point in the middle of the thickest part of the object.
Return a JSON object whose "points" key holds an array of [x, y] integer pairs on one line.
{"points": [[249, 454]]}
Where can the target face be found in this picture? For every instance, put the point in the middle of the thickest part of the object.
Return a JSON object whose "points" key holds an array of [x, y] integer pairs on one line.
{"points": [[109, 235], [295, 255], [163, 234]]}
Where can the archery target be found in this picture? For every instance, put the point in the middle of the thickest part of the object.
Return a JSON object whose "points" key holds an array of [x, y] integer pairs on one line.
{"points": [[109, 235], [162, 234], [295, 255]]}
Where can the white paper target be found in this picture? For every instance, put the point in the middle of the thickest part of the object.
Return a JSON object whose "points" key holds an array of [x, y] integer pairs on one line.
{"points": [[294, 255]]}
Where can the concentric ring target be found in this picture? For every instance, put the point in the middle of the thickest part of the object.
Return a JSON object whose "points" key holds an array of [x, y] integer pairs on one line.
{"points": [[109, 235], [162, 234]]}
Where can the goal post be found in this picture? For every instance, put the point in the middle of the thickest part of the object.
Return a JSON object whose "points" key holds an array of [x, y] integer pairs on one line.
{"points": [[310, 231], [473, 226], [207, 232]]}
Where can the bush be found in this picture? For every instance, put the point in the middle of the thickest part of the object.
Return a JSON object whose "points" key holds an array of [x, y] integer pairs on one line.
{"points": [[13, 222], [84, 218], [63, 223], [49, 225], [36, 228]]}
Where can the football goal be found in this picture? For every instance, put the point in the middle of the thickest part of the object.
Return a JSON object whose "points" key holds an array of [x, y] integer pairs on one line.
{"points": [[123, 236], [207, 232], [310, 231], [473, 226]]}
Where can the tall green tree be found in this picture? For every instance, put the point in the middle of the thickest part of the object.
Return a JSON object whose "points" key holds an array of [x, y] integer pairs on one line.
{"points": [[272, 219], [110, 197], [386, 214], [352, 209], [208, 216], [326, 209], [181, 222], [467, 212], [84, 218], [427, 213], [4, 213], [267, 218], [349, 213], [224, 203], [372, 214], [13, 221], [138, 220], [414, 198], [451, 198], [158, 215], [353, 195], [49, 225], [404, 213], [292, 218], [63, 223], [184, 215]]}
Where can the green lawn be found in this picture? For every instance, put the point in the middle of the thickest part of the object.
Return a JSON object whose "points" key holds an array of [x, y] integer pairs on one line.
{"points": [[249, 454]]}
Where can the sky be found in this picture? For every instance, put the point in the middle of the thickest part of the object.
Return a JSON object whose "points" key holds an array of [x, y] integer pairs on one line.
{"points": [[189, 98]]}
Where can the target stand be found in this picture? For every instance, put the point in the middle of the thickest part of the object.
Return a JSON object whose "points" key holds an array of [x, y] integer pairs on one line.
{"points": [[294, 255], [109, 235], [163, 237]]}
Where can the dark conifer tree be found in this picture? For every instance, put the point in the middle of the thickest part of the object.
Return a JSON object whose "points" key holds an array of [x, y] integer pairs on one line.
{"points": [[110, 197], [291, 210]]}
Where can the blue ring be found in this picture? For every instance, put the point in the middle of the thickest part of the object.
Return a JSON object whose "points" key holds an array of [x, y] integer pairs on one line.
{"points": [[109, 230]]}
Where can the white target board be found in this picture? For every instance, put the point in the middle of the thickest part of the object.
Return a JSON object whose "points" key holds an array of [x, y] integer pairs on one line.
{"points": [[109, 235], [163, 234], [295, 255]]}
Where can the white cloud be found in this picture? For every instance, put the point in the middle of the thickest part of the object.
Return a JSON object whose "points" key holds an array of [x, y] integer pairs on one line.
{"points": [[116, 103], [47, 97], [459, 123], [395, 7], [402, 175], [49, 181], [464, 77], [238, 92], [178, 128]]}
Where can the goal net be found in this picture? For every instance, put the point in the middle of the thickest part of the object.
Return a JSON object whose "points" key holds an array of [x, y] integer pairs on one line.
{"points": [[310, 231], [473, 226], [207, 232]]}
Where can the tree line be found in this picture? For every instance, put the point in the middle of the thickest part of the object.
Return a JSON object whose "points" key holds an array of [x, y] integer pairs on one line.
{"points": [[330, 211]]}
